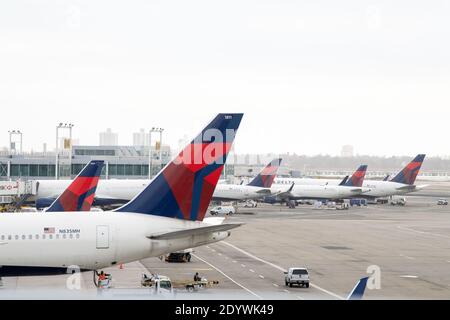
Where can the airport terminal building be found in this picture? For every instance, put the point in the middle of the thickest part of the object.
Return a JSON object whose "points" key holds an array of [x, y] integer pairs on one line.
{"points": [[121, 162], [132, 162]]}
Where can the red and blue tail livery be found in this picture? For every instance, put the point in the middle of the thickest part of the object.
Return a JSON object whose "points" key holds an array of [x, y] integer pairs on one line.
{"points": [[266, 177], [357, 179], [80, 194], [184, 188], [409, 174]]}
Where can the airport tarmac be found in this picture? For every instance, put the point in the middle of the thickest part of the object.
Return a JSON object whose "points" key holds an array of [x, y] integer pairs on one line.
{"points": [[410, 246]]}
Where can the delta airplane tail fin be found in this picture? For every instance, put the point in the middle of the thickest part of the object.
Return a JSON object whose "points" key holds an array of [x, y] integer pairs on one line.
{"points": [[358, 291], [184, 188], [80, 194], [265, 178], [357, 179], [409, 174]]}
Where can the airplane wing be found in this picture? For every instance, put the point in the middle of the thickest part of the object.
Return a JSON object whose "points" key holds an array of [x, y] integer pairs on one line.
{"points": [[193, 231], [264, 191], [360, 190], [285, 194]]}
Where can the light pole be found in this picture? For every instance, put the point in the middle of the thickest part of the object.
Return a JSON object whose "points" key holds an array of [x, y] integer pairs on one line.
{"points": [[150, 154], [68, 126], [11, 134], [160, 147]]}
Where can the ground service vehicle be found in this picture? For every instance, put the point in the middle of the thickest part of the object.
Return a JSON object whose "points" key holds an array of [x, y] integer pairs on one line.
{"points": [[250, 204], [358, 202], [179, 256], [342, 206], [159, 284], [298, 276], [398, 201], [164, 284], [225, 210], [442, 202]]}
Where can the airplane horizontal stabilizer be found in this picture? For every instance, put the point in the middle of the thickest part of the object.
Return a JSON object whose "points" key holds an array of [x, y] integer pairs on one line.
{"points": [[193, 231]]}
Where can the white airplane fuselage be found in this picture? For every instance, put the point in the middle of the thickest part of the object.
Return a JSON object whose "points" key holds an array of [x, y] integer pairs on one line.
{"points": [[236, 192], [375, 188], [125, 190], [319, 191], [91, 240]]}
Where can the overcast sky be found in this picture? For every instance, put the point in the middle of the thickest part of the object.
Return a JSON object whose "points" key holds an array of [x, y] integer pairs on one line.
{"points": [[310, 76]]}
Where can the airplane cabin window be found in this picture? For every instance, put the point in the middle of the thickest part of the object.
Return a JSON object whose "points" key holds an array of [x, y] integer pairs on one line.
{"points": [[30, 237], [78, 236], [16, 237], [71, 236], [64, 236], [50, 236], [36, 237], [43, 237], [23, 237], [9, 237]]}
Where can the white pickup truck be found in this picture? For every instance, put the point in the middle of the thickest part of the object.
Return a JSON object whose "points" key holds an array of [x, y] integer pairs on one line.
{"points": [[298, 276]]}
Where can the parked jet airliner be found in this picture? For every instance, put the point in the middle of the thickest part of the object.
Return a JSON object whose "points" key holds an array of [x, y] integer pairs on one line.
{"points": [[401, 184], [348, 188], [164, 217], [120, 191]]}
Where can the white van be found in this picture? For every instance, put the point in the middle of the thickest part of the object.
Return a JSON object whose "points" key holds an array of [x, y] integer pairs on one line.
{"points": [[225, 210]]}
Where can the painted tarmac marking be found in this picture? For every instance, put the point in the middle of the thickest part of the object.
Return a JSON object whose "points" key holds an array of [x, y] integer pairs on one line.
{"points": [[422, 232], [279, 268], [407, 276]]}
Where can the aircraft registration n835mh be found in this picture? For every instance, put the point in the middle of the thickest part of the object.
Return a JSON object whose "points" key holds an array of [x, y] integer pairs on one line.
{"points": [[166, 216]]}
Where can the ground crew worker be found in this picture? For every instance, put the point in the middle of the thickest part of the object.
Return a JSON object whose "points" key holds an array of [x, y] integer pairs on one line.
{"points": [[101, 276], [197, 277]]}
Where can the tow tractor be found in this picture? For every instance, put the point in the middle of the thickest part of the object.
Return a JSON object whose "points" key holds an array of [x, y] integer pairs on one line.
{"points": [[164, 284]]}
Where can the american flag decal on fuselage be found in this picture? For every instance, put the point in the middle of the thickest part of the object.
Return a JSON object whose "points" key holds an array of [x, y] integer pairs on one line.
{"points": [[49, 230]]}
